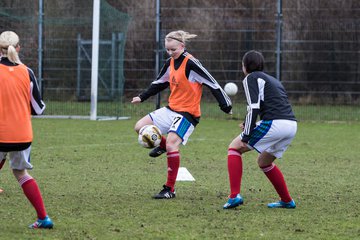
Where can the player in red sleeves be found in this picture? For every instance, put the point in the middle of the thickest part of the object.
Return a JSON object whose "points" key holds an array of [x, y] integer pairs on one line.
{"points": [[185, 76], [19, 99], [267, 98]]}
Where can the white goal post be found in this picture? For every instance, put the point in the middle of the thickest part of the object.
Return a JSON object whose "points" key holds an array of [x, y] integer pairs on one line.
{"points": [[95, 60]]}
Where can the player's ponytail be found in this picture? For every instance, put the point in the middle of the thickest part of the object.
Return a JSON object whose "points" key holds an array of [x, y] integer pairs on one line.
{"points": [[8, 43], [180, 36]]}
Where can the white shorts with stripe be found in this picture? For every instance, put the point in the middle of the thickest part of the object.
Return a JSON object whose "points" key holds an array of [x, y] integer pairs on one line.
{"points": [[19, 160], [170, 121], [272, 136]]}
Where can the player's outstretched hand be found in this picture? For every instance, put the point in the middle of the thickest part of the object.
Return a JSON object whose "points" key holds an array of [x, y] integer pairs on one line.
{"points": [[136, 100], [242, 126]]}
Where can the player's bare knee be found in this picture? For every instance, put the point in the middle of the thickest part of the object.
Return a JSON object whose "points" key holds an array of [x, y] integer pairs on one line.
{"points": [[137, 127], [260, 163], [265, 159], [234, 146], [242, 148], [264, 164], [170, 147], [19, 173]]}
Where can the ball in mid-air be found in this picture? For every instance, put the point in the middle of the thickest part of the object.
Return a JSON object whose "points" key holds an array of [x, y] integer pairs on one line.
{"points": [[230, 88], [149, 136]]}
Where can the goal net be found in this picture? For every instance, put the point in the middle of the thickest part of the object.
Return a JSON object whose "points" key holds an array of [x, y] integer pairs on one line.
{"points": [[56, 40]]}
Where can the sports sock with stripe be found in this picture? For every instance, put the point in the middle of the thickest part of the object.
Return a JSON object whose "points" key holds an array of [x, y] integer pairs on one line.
{"points": [[235, 171], [276, 177], [33, 194], [173, 162]]}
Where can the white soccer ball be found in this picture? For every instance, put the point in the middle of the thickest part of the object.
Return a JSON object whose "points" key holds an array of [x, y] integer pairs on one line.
{"points": [[149, 136], [230, 89]]}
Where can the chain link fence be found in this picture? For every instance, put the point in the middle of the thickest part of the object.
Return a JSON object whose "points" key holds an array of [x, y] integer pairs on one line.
{"points": [[316, 54]]}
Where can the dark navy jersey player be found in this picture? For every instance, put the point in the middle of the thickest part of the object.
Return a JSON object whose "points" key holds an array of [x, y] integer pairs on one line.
{"points": [[270, 137]]}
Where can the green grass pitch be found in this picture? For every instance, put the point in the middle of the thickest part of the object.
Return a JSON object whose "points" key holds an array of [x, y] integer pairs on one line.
{"points": [[97, 183]]}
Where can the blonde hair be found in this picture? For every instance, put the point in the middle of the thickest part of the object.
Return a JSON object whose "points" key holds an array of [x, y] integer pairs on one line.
{"points": [[9, 41], [180, 36]]}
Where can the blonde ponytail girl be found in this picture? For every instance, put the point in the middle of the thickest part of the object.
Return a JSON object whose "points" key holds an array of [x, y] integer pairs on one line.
{"points": [[9, 42]]}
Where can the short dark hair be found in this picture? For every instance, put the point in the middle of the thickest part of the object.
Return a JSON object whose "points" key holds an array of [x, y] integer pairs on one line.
{"points": [[253, 61]]}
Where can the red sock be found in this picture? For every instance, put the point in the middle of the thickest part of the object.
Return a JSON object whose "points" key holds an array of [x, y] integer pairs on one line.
{"points": [[173, 161], [275, 176], [32, 192], [235, 171], [163, 142]]}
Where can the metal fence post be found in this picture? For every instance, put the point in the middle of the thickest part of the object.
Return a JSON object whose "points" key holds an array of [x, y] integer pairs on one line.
{"points": [[40, 47], [157, 57], [278, 39]]}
